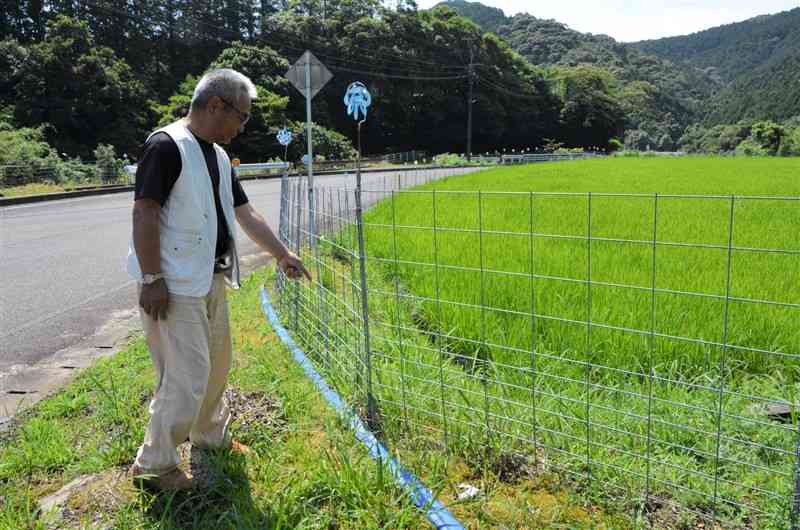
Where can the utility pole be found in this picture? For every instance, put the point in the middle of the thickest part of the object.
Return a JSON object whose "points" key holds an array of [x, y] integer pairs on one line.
{"points": [[471, 79]]}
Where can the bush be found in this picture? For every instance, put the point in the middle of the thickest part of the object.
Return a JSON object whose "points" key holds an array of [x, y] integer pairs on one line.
{"points": [[449, 159], [328, 144], [74, 171], [26, 157], [109, 167], [790, 145], [750, 147], [615, 145]]}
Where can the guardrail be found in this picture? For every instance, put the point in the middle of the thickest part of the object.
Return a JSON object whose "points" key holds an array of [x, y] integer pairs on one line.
{"points": [[532, 158]]}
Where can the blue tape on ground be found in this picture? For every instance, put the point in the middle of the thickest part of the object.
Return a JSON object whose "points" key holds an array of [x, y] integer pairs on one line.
{"points": [[422, 497]]}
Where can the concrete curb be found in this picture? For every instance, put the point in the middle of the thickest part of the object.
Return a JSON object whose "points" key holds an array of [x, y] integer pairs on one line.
{"points": [[105, 190], [26, 199]]}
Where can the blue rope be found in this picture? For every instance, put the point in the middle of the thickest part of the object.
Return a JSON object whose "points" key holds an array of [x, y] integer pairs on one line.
{"points": [[436, 512]]}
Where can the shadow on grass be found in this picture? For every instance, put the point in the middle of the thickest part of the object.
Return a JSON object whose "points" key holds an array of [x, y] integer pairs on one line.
{"points": [[221, 498]]}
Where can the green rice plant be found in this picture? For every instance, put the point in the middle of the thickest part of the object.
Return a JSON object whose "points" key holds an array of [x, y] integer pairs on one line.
{"points": [[623, 321]]}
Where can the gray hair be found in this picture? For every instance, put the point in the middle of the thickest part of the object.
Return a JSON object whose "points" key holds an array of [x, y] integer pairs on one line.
{"points": [[225, 83]]}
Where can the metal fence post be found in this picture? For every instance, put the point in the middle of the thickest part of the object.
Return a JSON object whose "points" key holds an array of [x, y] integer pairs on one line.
{"points": [[282, 227], [362, 265], [298, 207], [795, 515]]}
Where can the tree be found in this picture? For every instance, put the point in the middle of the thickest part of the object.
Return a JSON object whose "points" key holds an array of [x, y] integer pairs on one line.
{"points": [[84, 92], [790, 146], [767, 135], [638, 140], [591, 113]]}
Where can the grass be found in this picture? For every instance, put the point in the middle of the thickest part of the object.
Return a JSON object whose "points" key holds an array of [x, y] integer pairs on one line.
{"points": [[461, 360], [308, 472], [38, 188], [32, 189]]}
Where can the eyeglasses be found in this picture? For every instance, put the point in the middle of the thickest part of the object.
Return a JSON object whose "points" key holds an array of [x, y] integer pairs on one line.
{"points": [[244, 117]]}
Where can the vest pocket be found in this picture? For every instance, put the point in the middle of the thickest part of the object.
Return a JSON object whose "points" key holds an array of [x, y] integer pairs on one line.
{"points": [[180, 244]]}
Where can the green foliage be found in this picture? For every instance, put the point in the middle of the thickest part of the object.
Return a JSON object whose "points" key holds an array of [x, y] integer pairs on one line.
{"points": [[768, 136], [614, 145], [790, 145], [490, 19], [263, 65], [116, 74], [731, 50], [445, 305], [638, 140], [109, 167], [449, 159], [258, 143], [591, 114], [13, 57], [656, 96], [750, 147], [327, 143], [764, 138], [25, 156], [266, 69], [83, 91], [717, 139], [755, 61], [177, 106]]}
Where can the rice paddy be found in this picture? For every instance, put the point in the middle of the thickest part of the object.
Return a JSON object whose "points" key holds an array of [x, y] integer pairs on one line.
{"points": [[624, 321]]}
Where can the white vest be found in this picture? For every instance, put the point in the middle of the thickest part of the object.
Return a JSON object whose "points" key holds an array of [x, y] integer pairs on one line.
{"points": [[188, 221]]}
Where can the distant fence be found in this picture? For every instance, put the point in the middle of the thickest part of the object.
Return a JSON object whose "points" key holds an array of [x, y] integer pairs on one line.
{"points": [[531, 158], [406, 157], [643, 348], [71, 173]]}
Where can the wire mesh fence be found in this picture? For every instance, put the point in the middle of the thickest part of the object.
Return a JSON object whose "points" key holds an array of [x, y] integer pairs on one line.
{"points": [[645, 347], [63, 172]]}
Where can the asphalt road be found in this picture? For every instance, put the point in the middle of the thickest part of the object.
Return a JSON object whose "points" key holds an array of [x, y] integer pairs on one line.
{"points": [[62, 271]]}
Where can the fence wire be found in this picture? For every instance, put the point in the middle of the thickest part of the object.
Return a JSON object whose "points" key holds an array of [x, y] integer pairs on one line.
{"points": [[643, 347]]}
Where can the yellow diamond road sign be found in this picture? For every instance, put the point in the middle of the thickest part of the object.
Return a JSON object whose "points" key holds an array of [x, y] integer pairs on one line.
{"points": [[320, 75]]}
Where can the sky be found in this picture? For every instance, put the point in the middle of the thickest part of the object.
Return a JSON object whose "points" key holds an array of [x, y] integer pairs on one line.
{"points": [[628, 20]]}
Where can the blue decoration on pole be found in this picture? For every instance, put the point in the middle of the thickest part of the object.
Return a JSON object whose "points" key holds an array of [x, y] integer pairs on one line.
{"points": [[357, 99], [284, 137]]}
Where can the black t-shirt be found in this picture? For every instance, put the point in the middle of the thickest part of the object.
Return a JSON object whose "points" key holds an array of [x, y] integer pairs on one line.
{"points": [[160, 167]]}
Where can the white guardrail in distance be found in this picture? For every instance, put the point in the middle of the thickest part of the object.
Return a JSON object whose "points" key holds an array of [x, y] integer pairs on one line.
{"points": [[531, 158], [260, 169]]}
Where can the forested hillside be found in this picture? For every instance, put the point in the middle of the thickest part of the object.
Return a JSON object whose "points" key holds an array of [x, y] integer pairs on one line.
{"points": [[87, 72], [745, 72], [757, 61], [660, 99], [82, 77]]}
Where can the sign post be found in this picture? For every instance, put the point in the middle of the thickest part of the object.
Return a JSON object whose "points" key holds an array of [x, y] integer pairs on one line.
{"points": [[309, 75]]}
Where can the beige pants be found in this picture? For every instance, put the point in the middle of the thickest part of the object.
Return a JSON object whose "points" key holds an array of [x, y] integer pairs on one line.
{"points": [[191, 351]]}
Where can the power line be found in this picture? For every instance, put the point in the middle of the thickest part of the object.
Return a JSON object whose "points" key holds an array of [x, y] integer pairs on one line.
{"points": [[493, 86], [370, 53], [407, 73], [390, 76]]}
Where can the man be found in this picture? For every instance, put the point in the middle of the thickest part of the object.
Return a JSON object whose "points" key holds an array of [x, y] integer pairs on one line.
{"points": [[183, 253]]}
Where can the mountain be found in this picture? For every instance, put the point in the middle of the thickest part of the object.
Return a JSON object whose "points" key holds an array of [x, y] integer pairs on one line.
{"points": [[757, 61], [729, 51], [488, 18], [748, 70], [660, 97]]}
